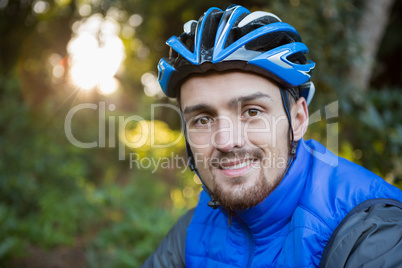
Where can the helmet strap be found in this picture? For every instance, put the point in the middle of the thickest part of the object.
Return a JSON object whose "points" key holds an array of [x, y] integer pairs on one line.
{"points": [[293, 144], [191, 162]]}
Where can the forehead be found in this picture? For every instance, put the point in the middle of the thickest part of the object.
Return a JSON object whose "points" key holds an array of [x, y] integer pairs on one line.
{"points": [[220, 86]]}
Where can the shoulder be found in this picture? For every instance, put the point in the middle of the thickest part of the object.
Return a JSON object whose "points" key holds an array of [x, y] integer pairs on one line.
{"points": [[335, 186], [369, 235], [171, 251]]}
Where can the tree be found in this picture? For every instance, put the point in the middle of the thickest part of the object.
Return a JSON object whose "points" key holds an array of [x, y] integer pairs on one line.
{"points": [[368, 34]]}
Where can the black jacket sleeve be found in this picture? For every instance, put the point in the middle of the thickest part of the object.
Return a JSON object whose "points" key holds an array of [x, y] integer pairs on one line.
{"points": [[170, 252], [370, 238]]}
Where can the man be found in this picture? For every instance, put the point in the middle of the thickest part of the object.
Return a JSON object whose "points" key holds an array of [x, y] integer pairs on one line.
{"points": [[270, 198]]}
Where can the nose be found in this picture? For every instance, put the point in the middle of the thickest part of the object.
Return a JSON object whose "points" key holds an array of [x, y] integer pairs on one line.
{"points": [[228, 135]]}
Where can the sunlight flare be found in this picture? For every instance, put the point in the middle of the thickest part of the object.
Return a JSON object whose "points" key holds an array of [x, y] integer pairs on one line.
{"points": [[95, 54]]}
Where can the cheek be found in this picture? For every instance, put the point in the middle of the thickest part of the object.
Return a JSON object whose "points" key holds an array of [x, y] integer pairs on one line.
{"points": [[199, 141], [202, 154], [266, 131], [200, 144]]}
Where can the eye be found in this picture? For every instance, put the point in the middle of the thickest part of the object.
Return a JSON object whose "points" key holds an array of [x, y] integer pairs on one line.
{"points": [[251, 112], [205, 120]]}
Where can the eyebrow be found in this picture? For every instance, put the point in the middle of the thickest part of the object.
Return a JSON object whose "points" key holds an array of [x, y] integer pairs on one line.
{"points": [[194, 108], [231, 103], [242, 99]]}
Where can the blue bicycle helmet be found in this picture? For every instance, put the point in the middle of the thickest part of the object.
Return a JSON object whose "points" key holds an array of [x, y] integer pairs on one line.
{"points": [[236, 39]]}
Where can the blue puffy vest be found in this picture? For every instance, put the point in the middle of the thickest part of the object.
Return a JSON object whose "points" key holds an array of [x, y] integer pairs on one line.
{"points": [[291, 227]]}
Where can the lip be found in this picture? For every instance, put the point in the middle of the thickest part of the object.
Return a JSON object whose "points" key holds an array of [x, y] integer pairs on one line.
{"points": [[230, 170]]}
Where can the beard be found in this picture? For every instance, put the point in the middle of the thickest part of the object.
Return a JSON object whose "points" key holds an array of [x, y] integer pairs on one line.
{"points": [[235, 193]]}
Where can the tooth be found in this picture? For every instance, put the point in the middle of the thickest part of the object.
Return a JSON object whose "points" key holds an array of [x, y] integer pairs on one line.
{"points": [[241, 165]]}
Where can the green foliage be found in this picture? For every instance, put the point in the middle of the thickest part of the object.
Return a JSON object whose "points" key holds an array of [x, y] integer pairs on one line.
{"points": [[49, 198], [39, 199], [378, 113], [136, 222], [8, 232]]}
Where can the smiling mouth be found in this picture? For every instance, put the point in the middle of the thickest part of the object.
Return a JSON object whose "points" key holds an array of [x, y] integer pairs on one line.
{"points": [[235, 169], [233, 165]]}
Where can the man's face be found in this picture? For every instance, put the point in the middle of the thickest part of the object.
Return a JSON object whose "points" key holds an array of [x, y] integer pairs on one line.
{"points": [[239, 135]]}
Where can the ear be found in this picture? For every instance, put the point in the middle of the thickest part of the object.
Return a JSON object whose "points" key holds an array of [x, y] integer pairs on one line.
{"points": [[299, 115]]}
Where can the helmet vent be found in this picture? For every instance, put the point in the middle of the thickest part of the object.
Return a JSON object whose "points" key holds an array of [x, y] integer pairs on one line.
{"points": [[271, 41], [210, 26]]}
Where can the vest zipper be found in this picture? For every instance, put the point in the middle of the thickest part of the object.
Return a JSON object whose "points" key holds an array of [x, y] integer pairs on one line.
{"points": [[251, 246], [230, 217], [249, 236]]}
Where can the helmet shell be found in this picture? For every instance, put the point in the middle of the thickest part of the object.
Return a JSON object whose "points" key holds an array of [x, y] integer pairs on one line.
{"points": [[236, 39]]}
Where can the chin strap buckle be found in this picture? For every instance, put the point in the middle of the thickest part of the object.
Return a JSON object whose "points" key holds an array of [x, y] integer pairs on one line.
{"points": [[293, 151], [213, 204]]}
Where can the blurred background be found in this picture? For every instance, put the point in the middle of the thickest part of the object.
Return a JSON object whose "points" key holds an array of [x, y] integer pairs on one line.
{"points": [[109, 205]]}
